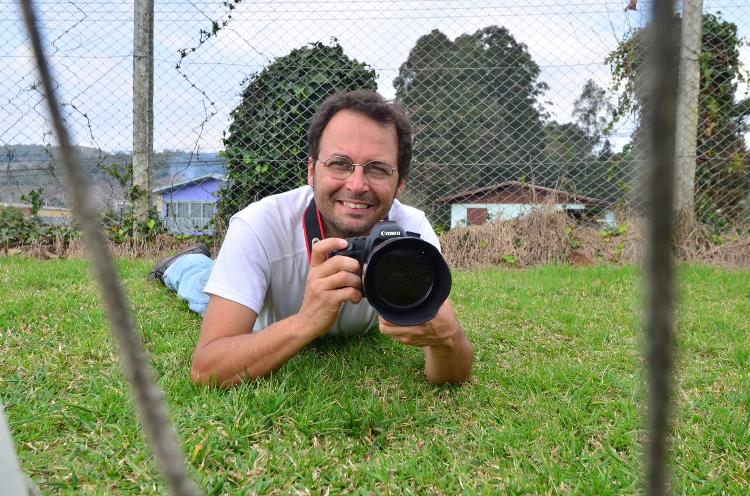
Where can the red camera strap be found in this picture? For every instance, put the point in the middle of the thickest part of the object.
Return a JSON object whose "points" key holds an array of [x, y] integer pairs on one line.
{"points": [[312, 225]]}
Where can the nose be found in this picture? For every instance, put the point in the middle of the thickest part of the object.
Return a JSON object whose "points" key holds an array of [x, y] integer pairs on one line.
{"points": [[357, 182]]}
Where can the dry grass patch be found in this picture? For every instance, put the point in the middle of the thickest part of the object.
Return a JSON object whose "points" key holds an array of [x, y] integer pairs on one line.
{"points": [[130, 248], [546, 236]]}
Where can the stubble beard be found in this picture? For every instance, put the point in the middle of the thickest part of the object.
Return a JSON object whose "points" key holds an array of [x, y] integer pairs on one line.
{"points": [[335, 228]]}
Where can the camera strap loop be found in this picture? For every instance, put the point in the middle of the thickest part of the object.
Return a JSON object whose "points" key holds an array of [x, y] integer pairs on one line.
{"points": [[312, 225]]}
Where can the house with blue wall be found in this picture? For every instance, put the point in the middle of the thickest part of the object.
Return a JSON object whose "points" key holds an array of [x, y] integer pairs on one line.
{"points": [[188, 206]]}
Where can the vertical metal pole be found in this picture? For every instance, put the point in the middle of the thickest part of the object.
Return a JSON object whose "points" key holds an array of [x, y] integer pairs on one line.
{"points": [[11, 478], [687, 109], [659, 318], [143, 105]]}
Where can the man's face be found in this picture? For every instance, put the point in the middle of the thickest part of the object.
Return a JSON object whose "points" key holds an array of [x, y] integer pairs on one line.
{"points": [[351, 207]]}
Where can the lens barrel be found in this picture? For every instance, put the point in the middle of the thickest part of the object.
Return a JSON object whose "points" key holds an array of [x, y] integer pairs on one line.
{"points": [[406, 280]]}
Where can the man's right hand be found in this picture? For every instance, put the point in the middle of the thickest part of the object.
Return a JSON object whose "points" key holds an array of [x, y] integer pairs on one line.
{"points": [[330, 282], [228, 351]]}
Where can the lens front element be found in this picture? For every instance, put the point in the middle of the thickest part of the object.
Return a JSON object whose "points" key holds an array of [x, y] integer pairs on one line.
{"points": [[404, 277], [406, 280]]}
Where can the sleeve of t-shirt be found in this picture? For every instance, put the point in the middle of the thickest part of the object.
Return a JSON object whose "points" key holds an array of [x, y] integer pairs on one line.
{"points": [[427, 233], [242, 271]]}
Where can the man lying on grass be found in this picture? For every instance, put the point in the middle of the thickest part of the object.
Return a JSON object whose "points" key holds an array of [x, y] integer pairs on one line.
{"points": [[265, 297]]}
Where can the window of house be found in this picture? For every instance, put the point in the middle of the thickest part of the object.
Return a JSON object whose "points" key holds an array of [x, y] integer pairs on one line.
{"points": [[183, 209], [187, 216], [208, 210]]}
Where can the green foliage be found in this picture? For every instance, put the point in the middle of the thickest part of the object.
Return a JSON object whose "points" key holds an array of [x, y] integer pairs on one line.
{"points": [[592, 111], [18, 229], [509, 260], [579, 153], [35, 199], [122, 226], [440, 228], [266, 144], [473, 105], [570, 237], [609, 231], [723, 160], [206, 34]]}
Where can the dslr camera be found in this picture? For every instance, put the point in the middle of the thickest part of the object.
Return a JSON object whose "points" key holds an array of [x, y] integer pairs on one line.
{"points": [[404, 278]]}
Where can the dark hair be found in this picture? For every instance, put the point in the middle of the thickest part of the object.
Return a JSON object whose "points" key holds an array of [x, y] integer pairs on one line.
{"points": [[372, 105]]}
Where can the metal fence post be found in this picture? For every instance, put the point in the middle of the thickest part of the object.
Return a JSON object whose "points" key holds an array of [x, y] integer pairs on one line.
{"points": [[11, 477], [687, 109], [660, 310], [143, 105]]}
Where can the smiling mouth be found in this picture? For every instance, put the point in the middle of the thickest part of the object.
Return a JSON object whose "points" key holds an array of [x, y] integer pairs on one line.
{"points": [[355, 206]]}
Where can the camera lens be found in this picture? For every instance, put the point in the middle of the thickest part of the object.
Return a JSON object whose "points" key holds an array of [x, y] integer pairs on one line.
{"points": [[406, 280], [404, 277]]}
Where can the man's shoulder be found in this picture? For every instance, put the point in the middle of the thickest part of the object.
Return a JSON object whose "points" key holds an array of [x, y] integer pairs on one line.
{"points": [[410, 218], [277, 210], [401, 212], [414, 220]]}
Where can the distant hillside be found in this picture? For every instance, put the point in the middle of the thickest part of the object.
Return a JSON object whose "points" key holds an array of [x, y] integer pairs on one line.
{"points": [[27, 167]]}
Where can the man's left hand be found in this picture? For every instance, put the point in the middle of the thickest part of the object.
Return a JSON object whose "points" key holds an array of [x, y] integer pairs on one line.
{"points": [[440, 331]]}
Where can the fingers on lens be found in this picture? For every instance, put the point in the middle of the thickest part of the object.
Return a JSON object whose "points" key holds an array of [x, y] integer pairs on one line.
{"points": [[353, 295], [343, 264], [346, 279]]}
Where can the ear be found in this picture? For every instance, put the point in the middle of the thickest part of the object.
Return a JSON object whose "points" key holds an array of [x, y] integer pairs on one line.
{"points": [[310, 171], [400, 188]]}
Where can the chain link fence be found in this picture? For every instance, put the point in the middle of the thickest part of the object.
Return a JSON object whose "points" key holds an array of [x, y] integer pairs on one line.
{"points": [[512, 103], [485, 137]]}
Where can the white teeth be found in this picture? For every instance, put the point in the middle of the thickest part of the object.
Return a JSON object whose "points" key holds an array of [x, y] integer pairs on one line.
{"points": [[354, 205]]}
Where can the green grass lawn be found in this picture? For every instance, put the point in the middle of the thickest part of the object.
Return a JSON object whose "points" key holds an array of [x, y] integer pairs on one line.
{"points": [[555, 404]]}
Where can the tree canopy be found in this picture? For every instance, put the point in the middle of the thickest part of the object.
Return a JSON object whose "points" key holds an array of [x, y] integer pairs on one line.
{"points": [[580, 155], [473, 105], [266, 143], [722, 157]]}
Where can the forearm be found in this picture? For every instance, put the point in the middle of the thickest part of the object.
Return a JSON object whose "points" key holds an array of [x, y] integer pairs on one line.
{"points": [[450, 363], [229, 360]]}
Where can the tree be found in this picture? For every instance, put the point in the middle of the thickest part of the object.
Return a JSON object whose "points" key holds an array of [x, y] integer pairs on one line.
{"points": [[593, 111], [579, 154], [266, 143], [473, 104], [722, 157]]}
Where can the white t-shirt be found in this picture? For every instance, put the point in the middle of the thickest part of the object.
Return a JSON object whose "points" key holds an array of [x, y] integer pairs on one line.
{"points": [[263, 262]]}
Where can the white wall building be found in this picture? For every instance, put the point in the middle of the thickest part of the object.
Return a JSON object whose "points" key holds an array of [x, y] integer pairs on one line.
{"points": [[513, 199]]}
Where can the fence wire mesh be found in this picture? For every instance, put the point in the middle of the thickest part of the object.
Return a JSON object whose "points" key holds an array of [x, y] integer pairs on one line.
{"points": [[511, 103]]}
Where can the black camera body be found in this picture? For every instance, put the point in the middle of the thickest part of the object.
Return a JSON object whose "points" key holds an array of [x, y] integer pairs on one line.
{"points": [[404, 278]]}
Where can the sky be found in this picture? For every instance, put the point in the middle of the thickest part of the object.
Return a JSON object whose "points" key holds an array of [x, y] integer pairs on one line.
{"points": [[91, 45]]}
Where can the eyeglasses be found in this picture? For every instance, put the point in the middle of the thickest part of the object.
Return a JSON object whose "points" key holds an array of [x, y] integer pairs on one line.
{"points": [[340, 168]]}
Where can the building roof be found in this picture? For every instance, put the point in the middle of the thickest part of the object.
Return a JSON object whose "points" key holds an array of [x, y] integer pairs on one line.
{"points": [[532, 188], [189, 182]]}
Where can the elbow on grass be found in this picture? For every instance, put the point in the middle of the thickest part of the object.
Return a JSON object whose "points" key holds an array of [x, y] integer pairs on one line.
{"points": [[202, 375], [456, 371], [457, 380], [208, 379], [198, 377]]}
